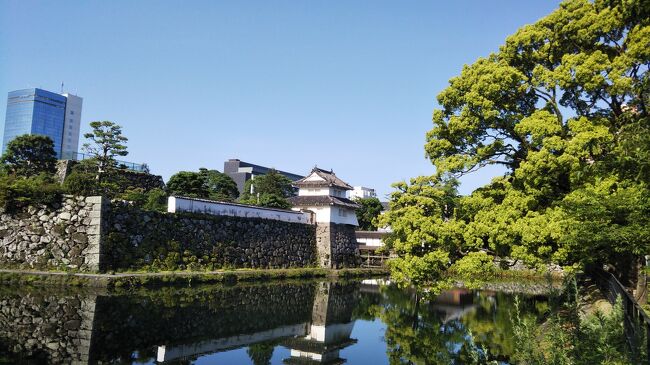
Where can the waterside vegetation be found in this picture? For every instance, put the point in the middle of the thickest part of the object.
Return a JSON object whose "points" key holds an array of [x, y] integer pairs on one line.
{"points": [[562, 107]]}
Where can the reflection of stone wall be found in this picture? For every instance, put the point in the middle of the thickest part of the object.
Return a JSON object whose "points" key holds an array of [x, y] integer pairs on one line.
{"points": [[49, 328], [334, 303], [86, 327], [337, 245], [168, 317], [64, 236], [171, 241]]}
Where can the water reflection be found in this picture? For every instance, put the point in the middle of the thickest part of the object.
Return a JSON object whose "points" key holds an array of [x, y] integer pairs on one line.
{"points": [[291, 323]]}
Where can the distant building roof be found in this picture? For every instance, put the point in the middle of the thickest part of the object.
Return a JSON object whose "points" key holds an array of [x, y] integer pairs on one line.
{"points": [[322, 200], [327, 178]]}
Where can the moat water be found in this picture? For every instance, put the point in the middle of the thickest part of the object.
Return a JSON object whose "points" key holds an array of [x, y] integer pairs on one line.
{"points": [[351, 322]]}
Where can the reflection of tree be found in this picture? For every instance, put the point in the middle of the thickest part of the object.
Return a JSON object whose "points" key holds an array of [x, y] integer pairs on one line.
{"points": [[416, 334], [261, 353]]}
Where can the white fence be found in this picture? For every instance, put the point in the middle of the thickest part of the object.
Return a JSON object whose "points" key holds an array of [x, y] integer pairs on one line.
{"points": [[182, 204]]}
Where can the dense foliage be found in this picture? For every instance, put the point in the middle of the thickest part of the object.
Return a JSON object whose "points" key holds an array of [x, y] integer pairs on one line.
{"points": [[106, 142], [270, 190], [29, 155], [367, 213], [205, 184], [563, 106], [17, 192]]}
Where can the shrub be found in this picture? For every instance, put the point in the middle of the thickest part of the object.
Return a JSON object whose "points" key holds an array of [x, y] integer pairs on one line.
{"points": [[156, 200], [80, 183], [18, 192]]}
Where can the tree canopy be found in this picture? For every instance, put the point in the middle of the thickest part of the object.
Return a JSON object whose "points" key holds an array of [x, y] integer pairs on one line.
{"points": [[367, 213], [29, 155], [269, 190], [205, 184], [106, 142], [563, 106]]}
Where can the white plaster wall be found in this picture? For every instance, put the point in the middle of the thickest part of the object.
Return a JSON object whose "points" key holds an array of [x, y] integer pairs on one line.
{"points": [[375, 242], [313, 192], [344, 215], [323, 214], [179, 204], [327, 214]]}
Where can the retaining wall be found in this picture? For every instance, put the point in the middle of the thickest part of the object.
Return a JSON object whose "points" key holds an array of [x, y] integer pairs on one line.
{"points": [[92, 234]]}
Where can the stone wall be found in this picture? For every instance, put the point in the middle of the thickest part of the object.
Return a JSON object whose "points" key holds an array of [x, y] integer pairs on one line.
{"points": [[142, 180], [337, 245], [166, 241], [65, 236], [131, 178], [91, 234]]}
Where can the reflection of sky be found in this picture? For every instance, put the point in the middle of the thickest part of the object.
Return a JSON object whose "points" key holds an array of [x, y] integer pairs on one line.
{"points": [[371, 348]]}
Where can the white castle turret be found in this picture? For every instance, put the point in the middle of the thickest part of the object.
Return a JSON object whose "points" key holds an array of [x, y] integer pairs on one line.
{"points": [[323, 193]]}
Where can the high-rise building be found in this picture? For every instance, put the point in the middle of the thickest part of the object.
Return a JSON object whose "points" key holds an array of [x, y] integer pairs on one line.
{"points": [[71, 127], [38, 111], [361, 192], [241, 172]]}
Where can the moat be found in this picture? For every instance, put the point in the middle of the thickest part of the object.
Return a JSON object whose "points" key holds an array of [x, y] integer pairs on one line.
{"points": [[306, 322]]}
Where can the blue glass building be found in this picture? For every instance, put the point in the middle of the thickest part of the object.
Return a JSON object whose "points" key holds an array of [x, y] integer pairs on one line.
{"points": [[35, 111]]}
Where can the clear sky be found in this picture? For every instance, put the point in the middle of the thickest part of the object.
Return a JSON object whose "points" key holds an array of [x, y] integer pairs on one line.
{"points": [[347, 85]]}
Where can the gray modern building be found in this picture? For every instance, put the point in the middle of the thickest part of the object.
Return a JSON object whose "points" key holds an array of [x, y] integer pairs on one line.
{"points": [[38, 111], [241, 172]]}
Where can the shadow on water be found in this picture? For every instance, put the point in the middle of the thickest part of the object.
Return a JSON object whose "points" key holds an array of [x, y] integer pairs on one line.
{"points": [[292, 323]]}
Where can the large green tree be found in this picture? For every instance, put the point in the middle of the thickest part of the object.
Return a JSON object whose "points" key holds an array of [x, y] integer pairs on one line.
{"points": [[563, 106], [367, 213], [29, 155], [219, 185], [106, 142], [269, 190], [204, 184], [188, 183]]}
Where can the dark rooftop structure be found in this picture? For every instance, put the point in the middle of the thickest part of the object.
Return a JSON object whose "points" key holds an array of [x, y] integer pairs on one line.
{"points": [[319, 178], [241, 172], [327, 179]]}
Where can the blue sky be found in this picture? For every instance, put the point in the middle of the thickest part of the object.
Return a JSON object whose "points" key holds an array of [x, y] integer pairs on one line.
{"points": [[348, 85]]}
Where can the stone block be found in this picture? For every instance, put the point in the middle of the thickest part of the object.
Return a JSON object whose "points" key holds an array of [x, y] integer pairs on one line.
{"points": [[93, 199]]}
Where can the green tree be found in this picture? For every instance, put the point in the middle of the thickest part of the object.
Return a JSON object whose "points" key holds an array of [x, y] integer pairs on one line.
{"points": [[221, 186], [187, 183], [261, 353], [563, 107], [367, 213], [106, 142], [270, 190], [205, 184], [29, 155], [17, 192]]}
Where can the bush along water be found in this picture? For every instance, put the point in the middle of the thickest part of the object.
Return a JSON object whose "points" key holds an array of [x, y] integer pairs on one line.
{"points": [[574, 333]]}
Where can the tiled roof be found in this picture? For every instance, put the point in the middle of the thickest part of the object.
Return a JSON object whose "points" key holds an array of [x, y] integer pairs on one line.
{"points": [[322, 200], [329, 179]]}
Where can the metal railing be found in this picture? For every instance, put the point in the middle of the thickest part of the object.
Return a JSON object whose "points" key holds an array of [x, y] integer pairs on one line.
{"points": [[637, 322], [78, 156], [370, 259]]}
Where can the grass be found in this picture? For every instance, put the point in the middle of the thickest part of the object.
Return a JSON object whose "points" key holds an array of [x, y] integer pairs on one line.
{"points": [[178, 278]]}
